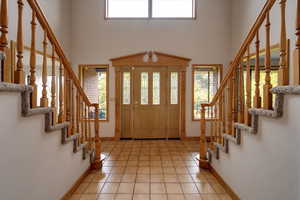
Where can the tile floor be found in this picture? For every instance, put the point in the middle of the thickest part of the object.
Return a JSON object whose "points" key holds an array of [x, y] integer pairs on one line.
{"points": [[156, 170]]}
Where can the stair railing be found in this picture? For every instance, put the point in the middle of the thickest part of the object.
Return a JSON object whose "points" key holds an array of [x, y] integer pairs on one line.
{"points": [[65, 96], [234, 98]]}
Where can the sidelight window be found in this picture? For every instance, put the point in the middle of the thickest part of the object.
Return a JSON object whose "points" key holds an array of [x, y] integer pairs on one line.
{"points": [[126, 88], [95, 82], [205, 84], [174, 88]]}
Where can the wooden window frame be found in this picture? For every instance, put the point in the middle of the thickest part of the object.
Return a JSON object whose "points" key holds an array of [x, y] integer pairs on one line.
{"points": [[81, 70], [220, 73], [150, 11]]}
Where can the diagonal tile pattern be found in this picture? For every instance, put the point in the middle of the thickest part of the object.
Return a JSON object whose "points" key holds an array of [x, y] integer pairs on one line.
{"points": [[150, 170]]}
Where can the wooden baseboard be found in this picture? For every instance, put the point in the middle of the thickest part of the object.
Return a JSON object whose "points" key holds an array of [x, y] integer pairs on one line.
{"points": [[107, 138], [68, 195], [227, 188], [191, 138]]}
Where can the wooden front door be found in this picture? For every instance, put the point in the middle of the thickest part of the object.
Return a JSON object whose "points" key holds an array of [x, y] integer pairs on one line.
{"points": [[150, 96], [152, 109], [150, 102]]}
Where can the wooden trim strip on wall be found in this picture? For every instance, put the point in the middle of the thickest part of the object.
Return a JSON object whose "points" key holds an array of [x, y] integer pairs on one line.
{"points": [[74, 187], [227, 188]]}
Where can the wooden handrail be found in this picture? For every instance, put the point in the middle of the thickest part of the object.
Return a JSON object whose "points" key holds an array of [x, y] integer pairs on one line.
{"points": [[230, 95], [258, 23], [50, 34]]}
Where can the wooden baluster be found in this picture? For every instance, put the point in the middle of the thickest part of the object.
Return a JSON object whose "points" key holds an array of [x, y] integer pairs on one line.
{"points": [[53, 88], [97, 164], [77, 113], [44, 98], [241, 94], [203, 144], [210, 116], [216, 124], [81, 120], [3, 26], [70, 106], [33, 62], [268, 86], [61, 116], [89, 128], [86, 122], [19, 76], [223, 130], [4, 72], [221, 118], [257, 97], [283, 76], [68, 102], [67, 96], [234, 101], [297, 52], [3, 37], [73, 110], [229, 107], [248, 90]]}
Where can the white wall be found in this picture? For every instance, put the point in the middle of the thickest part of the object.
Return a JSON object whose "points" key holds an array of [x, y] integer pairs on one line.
{"points": [[206, 40], [244, 14], [265, 166], [58, 14], [35, 165]]}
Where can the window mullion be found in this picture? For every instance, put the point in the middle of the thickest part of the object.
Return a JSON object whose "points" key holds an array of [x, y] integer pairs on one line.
{"points": [[150, 10], [208, 74]]}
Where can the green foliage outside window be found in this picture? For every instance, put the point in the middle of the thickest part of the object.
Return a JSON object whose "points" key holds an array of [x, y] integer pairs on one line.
{"points": [[102, 88]]}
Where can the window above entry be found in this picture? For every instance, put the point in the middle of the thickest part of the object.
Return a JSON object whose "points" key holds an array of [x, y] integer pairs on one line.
{"points": [[150, 9]]}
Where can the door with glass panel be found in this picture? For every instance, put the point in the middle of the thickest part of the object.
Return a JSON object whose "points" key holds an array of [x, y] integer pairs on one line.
{"points": [[150, 107], [150, 102]]}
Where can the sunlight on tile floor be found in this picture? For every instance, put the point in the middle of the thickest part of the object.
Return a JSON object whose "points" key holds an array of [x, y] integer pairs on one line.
{"points": [[156, 170]]}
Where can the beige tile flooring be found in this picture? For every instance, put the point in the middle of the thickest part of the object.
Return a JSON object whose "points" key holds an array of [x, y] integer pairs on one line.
{"points": [[156, 170]]}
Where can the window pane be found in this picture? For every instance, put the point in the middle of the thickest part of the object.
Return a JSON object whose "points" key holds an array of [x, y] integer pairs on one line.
{"points": [[174, 87], [126, 88], [274, 83], [126, 8], [213, 84], [144, 88], [173, 8], [156, 88], [201, 92], [102, 77]]}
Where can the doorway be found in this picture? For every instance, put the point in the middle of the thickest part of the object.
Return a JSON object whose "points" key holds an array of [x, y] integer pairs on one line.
{"points": [[150, 100]]}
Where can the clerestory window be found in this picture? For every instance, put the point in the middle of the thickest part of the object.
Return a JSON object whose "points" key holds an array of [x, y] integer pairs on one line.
{"points": [[146, 9]]}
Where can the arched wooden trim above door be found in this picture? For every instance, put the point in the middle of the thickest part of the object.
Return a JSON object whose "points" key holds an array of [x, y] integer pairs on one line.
{"points": [[164, 60]]}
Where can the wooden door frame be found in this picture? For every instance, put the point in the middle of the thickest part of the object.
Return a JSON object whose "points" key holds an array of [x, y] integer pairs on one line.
{"points": [[126, 63]]}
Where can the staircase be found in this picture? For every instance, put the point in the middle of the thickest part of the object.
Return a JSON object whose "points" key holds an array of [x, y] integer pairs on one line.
{"points": [[238, 105], [60, 99]]}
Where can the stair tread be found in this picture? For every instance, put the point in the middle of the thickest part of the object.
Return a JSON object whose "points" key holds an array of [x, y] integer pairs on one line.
{"points": [[11, 87]]}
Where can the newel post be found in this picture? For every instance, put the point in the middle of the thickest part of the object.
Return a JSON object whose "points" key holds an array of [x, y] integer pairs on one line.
{"points": [[97, 163], [3, 25], [203, 161]]}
